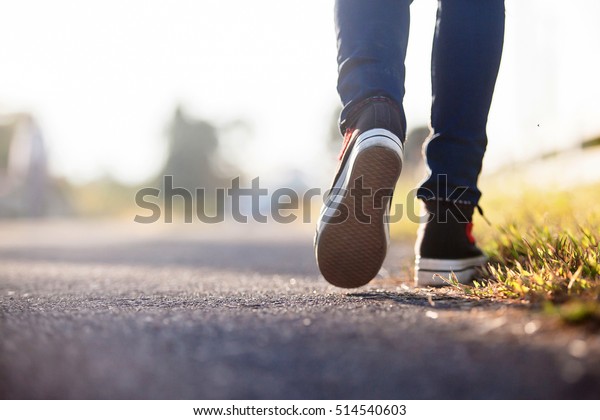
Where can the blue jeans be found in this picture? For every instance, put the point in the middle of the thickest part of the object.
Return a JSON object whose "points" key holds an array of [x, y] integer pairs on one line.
{"points": [[372, 38]]}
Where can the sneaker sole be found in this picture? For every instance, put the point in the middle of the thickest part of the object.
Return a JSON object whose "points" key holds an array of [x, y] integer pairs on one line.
{"points": [[350, 252], [437, 272]]}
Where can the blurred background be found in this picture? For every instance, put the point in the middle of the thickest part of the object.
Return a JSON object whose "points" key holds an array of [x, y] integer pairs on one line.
{"points": [[101, 98]]}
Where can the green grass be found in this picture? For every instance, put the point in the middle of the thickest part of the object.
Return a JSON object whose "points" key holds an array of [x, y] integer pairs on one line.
{"points": [[557, 269], [545, 252], [543, 246]]}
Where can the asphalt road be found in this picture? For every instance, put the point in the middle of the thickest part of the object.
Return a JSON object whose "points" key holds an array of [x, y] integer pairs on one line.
{"points": [[106, 310]]}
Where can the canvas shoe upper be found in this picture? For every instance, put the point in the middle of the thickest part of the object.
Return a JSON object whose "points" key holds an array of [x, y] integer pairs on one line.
{"points": [[445, 244]]}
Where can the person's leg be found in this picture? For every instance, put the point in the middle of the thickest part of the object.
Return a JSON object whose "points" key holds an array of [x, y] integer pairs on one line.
{"points": [[352, 233], [372, 37], [466, 56]]}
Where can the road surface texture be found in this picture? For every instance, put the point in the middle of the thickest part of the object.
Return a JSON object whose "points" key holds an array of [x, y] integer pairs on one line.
{"points": [[105, 310]]}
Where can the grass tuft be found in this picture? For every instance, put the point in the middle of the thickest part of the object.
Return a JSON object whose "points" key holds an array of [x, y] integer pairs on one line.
{"points": [[554, 267], [546, 251]]}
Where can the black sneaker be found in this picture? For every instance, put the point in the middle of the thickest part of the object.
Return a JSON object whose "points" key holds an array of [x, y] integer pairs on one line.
{"points": [[445, 245], [352, 232]]}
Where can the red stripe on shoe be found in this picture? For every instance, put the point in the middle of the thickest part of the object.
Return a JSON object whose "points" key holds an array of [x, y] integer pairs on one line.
{"points": [[469, 231], [347, 137]]}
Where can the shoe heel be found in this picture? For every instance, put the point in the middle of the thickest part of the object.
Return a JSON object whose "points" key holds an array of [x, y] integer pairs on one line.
{"points": [[350, 252], [437, 272]]}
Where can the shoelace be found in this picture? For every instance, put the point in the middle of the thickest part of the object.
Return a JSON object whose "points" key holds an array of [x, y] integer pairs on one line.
{"points": [[480, 211]]}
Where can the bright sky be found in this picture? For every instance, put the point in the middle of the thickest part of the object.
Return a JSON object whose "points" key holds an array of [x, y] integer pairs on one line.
{"points": [[103, 77]]}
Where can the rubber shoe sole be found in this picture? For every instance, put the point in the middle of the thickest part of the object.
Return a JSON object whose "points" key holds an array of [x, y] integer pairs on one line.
{"points": [[438, 272], [350, 251]]}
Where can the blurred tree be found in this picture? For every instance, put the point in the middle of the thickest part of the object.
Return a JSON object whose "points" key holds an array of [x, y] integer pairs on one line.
{"points": [[235, 148], [26, 187], [193, 160], [414, 164]]}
